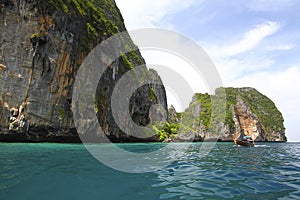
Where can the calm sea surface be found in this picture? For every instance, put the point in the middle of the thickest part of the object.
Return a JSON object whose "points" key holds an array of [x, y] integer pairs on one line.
{"points": [[66, 171]]}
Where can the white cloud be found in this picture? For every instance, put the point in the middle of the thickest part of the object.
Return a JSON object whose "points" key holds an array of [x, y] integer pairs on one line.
{"points": [[280, 47], [233, 68], [269, 5], [283, 88], [244, 56], [252, 38], [179, 77], [149, 13]]}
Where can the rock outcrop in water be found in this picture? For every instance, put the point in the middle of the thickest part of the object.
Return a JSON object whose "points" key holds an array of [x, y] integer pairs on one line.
{"points": [[42, 45], [248, 112]]}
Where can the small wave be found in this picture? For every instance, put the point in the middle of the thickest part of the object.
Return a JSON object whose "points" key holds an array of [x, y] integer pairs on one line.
{"points": [[262, 146]]}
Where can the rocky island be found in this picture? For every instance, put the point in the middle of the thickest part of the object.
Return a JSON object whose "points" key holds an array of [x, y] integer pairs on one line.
{"points": [[43, 44], [247, 112]]}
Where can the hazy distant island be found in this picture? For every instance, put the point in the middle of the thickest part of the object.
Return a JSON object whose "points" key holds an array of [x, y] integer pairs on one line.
{"points": [[43, 44]]}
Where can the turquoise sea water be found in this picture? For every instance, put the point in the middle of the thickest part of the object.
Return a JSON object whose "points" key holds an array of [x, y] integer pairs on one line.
{"points": [[67, 171]]}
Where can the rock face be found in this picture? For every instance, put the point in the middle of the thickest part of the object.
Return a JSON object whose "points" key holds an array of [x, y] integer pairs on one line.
{"points": [[42, 45], [248, 112], [247, 122]]}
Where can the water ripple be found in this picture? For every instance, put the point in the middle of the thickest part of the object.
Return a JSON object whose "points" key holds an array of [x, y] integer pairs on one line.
{"points": [[269, 172], [50, 171]]}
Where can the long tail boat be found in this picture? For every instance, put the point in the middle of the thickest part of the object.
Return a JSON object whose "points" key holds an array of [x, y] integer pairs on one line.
{"points": [[246, 143]]}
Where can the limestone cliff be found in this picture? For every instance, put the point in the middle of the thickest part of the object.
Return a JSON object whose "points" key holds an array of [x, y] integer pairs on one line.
{"points": [[42, 45], [248, 112]]}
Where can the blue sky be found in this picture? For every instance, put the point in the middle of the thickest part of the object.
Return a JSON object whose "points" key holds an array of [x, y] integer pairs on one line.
{"points": [[253, 43]]}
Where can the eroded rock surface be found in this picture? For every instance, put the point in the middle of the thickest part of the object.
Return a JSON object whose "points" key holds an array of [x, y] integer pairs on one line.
{"points": [[248, 112], [42, 45]]}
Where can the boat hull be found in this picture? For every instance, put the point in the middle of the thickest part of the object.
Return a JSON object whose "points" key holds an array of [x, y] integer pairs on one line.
{"points": [[243, 143]]}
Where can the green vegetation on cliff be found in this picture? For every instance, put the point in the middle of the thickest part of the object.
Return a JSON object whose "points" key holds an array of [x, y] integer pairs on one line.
{"points": [[265, 109], [166, 130], [270, 117], [200, 114], [102, 17]]}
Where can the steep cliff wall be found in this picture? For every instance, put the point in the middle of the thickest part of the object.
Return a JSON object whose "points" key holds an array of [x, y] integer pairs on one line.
{"points": [[42, 45], [248, 112]]}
